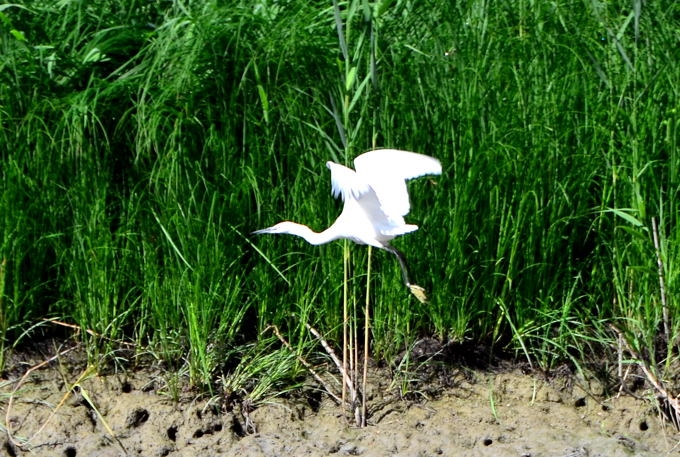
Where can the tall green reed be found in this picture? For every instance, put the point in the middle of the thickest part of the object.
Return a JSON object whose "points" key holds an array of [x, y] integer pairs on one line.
{"points": [[141, 142]]}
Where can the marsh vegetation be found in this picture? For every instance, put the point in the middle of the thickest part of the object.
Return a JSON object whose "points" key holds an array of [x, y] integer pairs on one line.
{"points": [[141, 143]]}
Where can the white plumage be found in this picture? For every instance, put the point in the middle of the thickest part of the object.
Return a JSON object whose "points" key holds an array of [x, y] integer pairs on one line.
{"points": [[375, 201]]}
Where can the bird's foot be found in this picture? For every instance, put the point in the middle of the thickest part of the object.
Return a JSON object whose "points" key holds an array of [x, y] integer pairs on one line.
{"points": [[418, 292]]}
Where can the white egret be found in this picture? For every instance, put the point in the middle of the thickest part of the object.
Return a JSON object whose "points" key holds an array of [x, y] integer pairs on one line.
{"points": [[375, 203]]}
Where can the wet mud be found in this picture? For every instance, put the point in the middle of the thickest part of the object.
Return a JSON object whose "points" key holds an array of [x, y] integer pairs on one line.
{"points": [[474, 413]]}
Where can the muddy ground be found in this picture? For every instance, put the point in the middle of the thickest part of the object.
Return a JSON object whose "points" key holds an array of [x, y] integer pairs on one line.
{"points": [[489, 412]]}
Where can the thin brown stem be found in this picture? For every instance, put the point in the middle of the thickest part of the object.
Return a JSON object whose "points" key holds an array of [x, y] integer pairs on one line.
{"points": [[662, 284], [367, 328]]}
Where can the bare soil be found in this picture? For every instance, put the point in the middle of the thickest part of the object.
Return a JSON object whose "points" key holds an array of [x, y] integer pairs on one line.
{"points": [[503, 412]]}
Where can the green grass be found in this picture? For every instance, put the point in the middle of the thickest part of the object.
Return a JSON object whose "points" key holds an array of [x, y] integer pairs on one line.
{"points": [[142, 143]]}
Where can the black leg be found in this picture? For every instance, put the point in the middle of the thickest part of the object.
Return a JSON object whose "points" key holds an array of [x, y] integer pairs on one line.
{"points": [[402, 263], [416, 290]]}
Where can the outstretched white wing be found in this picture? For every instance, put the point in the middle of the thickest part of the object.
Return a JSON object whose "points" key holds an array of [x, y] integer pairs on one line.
{"points": [[363, 214], [386, 172], [345, 182]]}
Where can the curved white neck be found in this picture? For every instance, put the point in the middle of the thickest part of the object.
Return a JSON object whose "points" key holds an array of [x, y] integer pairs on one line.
{"points": [[311, 236]]}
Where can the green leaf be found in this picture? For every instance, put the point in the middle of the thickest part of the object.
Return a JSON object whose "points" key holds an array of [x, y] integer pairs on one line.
{"points": [[624, 213], [19, 35], [350, 78]]}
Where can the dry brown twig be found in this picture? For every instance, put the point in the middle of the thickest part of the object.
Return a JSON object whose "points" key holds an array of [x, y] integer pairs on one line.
{"points": [[77, 329], [672, 401], [329, 350], [307, 365], [83, 376], [12, 396]]}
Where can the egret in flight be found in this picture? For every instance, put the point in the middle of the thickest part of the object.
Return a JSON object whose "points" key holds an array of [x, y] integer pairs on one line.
{"points": [[376, 201]]}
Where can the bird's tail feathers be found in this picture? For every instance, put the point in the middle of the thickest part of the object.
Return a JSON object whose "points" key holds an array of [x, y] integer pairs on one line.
{"points": [[400, 230]]}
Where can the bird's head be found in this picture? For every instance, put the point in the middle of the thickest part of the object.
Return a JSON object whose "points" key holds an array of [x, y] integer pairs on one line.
{"points": [[289, 227], [293, 228]]}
